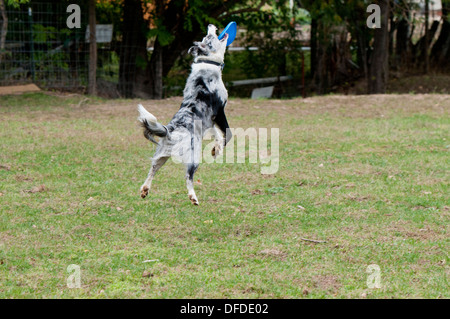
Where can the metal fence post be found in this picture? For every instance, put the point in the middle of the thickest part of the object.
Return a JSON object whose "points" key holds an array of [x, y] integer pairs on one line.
{"points": [[30, 18]]}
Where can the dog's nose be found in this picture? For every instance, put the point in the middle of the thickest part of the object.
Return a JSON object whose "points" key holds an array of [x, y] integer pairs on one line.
{"points": [[212, 29]]}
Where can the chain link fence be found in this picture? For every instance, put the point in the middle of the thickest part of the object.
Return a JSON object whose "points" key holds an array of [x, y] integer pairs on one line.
{"points": [[38, 47]]}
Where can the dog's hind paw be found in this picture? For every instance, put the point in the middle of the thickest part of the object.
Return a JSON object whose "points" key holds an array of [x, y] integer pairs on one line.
{"points": [[144, 191], [194, 200]]}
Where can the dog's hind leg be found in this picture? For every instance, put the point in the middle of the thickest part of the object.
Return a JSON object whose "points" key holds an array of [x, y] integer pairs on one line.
{"points": [[190, 171], [157, 163]]}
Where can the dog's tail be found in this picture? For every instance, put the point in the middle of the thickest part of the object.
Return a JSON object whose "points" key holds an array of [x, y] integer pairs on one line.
{"points": [[151, 125]]}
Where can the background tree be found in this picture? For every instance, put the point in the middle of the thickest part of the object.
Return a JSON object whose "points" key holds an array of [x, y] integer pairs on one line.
{"points": [[379, 62], [92, 87], [272, 29], [440, 52], [173, 25], [133, 49], [330, 46], [343, 48], [4, 19]]}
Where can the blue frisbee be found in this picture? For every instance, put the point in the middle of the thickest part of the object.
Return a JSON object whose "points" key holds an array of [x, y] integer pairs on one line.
{"points": [[231, 30]]}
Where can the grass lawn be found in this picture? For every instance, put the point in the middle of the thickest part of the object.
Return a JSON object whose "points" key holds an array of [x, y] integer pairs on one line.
{"points": [[369, 175]]}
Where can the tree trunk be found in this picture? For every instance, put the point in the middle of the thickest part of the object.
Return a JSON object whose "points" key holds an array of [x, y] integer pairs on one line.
{"points": [[411, 48], [421, 48], [92, 88], [379, 63], [4, 28], [427, 37], [402, 42], [133, 44], [146, 79], [164, 57], [313, 45], [323, 58], [441, 47], [343, 55], [156, 70], [360, 35], [320, 74], [393, 27]]}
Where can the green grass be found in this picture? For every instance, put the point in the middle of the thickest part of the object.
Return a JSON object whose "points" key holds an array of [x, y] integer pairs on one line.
{"points": [[371, 173]]}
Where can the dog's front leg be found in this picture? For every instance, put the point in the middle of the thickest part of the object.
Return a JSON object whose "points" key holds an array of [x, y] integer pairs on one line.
{"points": [[219, 142], [221, 128]]}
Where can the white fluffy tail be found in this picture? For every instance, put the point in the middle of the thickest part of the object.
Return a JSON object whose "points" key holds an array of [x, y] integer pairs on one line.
{"points": [[145, 115], [151, 125]]}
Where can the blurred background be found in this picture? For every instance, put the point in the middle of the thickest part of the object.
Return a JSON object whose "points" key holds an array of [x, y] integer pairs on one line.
{"points": [[283, 49]]}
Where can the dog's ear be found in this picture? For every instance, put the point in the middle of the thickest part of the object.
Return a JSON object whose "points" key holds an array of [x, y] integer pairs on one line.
{"points": [[193, 50], [199, 48]]}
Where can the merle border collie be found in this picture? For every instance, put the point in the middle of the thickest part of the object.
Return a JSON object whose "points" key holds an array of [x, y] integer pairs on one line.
{"points": [[202, 110]]}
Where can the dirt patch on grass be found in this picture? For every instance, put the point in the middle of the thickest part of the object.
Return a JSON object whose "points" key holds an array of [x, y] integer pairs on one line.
{"points": [[5, 167], [23, 178], [425, 233], [326, 282], [18, 89], [273, 253]]}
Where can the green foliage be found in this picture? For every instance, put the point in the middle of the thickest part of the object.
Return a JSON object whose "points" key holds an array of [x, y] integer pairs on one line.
{"points": [[197, 12], [16, 3], [164, 36], [110, 12], [43, 34], [141, 62], [273, 31]]}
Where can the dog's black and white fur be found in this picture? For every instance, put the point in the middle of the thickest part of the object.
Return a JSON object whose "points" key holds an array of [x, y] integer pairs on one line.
{"points": [[202, 109]]}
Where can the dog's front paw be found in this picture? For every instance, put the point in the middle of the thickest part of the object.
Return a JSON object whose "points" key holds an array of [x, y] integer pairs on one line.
{"points": [[217, 150], [144, 191]]}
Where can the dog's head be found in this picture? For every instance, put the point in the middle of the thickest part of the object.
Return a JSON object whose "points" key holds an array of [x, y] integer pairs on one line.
{"points": [[211, 46]]}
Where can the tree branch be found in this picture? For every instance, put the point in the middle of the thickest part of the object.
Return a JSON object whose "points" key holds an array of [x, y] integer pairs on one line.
{"points": [[244, 10]]}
